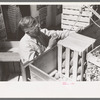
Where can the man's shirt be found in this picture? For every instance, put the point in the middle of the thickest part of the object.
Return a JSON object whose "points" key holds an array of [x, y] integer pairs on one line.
{"points": [[30, 48]]}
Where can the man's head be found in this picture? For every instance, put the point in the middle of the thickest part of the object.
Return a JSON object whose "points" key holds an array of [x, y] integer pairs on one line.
{"points": [[30, 26]]}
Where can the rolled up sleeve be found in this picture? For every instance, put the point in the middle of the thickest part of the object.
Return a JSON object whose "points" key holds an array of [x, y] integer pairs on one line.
{"points": [[60, 33]]}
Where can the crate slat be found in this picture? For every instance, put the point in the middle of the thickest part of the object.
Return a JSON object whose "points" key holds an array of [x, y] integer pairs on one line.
{"points": [[74, 7], [69, 22], [40, 74], [67, 62], [82, 64], [75, 64], [59, 58], [74, 18], [75, 12], [77, 7], [68, 27], [83, 38]]}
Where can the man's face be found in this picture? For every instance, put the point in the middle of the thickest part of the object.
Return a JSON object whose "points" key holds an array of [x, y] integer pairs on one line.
{"points": [[34, 31]]}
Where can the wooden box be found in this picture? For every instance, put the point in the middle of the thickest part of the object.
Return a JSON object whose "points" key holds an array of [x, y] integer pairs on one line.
{"points": [[43, 65], [49, 65], [9, 51], [9, 59], [72, 55], [93, 65]]}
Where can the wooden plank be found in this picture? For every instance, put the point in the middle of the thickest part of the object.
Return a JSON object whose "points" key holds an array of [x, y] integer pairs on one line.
{"points": [[76, 23], [92, 46], [9, 57], [40, 73], [82, 64], [68, 27], [74, 18], [35, 77], [53, 73], [77, 7], [74, 7], [75, 64], [87, 50], [93, 59], [83, 38], [59, 58], [69, 31], [75, 12], [76, 42], [67, 62]]}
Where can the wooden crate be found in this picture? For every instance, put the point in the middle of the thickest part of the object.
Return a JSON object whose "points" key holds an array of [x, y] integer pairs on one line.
{"points": [[48, 66], [74, 17], [9, 59], [72, 55], [93, 65], [44, 65]]}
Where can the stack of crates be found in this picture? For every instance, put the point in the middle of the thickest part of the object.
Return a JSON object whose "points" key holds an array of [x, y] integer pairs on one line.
{"points": [[93, 65], [75, 17], [72, 56]]}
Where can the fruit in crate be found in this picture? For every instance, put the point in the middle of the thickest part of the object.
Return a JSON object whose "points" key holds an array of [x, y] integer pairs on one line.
{"points": [[79, 62], [63, 64], [57, 75], [92, 72], [72, 54], [78, 77], [71, 62], [78, 70], [63, 71], [96, 53], [63, 55]]}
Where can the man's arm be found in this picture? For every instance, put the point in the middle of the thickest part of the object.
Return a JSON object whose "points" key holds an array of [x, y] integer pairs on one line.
{"points": [[59, 33], [27, 52]]}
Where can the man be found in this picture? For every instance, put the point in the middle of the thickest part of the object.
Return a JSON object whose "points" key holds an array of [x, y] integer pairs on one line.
{"points": [[36, 40]]}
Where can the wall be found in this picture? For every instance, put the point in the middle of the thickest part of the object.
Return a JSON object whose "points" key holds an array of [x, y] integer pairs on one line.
{"points": [[52, 18]]}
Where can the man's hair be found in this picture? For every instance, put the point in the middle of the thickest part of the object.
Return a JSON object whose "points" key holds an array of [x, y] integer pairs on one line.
{"points": [[27, 22]]}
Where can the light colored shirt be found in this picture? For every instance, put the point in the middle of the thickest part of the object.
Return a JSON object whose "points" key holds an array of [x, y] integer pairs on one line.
{"points": [[30, 48]]}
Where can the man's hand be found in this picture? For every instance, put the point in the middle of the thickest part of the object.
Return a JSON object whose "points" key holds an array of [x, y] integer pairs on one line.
{"points": [[52, 41], [64, 34]]}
